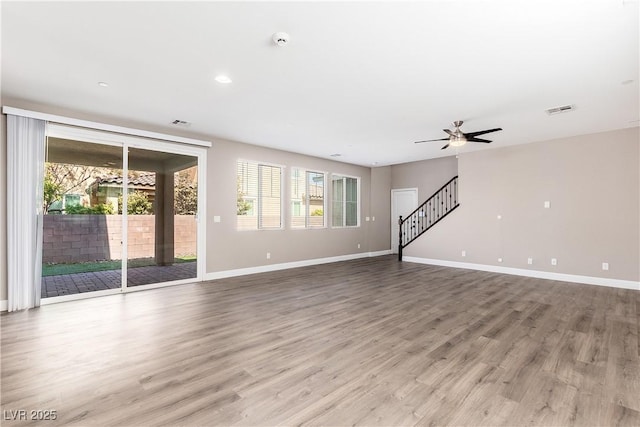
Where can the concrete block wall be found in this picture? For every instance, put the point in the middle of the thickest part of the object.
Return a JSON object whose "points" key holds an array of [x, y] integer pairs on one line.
{"points": [[85, 238]]}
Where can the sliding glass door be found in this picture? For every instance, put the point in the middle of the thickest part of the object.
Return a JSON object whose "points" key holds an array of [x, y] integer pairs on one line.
{"points": [[162, 202], [82, 231], [110, 201]]}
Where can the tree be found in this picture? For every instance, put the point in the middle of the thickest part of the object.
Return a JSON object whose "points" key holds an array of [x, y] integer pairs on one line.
{"points": [[137, 204], [63, 178], [243, 207], [185, 198], [69, 178], [52, 192]]}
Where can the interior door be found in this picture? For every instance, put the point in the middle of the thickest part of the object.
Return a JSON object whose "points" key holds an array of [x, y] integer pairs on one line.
{"points": [[403, 202]]}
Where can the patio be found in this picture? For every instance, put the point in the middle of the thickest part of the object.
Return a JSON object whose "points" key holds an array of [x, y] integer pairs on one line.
{"points": [[77, 283]]}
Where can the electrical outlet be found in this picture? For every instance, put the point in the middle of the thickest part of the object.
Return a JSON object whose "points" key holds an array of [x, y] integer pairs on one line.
{"points": [[530, 261], [554, 261], [373, 218], [464, 253], [358, 245], [268, 255], [547, 204], [216, 218], [366, 218], [605, 266]]}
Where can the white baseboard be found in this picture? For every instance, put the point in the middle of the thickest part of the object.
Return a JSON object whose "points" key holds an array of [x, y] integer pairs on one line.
{"points": [[228, 273], [589, 280], [286, 265]]}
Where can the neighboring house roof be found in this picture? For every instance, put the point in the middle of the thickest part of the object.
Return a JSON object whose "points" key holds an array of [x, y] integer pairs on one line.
{"points": [[144, 180]]}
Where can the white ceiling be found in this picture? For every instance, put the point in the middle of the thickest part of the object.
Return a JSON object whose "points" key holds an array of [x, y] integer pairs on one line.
{"points": [[363, 79]]}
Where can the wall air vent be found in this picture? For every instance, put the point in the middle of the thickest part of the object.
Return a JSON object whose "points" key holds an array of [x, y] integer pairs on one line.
{"points": [[560, 109], [181, 123]]}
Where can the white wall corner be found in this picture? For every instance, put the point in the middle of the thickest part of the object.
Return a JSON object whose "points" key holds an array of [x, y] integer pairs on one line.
{"points": [[4, 305], [573, 278]]}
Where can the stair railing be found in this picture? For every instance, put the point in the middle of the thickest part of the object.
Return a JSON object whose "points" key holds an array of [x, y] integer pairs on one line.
{"points": [[428, 214]]}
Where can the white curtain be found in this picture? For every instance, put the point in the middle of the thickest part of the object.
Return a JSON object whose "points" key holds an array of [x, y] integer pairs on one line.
{"points": [[25, 177]]}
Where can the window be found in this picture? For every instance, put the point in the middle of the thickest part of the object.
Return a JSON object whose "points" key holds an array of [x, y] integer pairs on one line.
{"points": [[307, 199], [259, 201], [345, 201]]}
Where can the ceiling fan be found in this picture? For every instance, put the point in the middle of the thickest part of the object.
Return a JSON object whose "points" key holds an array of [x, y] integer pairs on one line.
{"points": [[457, 138]]}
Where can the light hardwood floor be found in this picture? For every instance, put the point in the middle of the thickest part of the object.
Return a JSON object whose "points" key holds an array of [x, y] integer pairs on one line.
{"points": [[364, 342]]}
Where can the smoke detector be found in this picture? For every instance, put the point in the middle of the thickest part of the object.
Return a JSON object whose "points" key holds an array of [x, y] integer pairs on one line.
{"points": [[280, 38]]}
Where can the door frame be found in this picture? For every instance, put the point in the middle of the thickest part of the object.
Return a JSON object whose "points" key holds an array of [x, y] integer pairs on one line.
{"points": [[394, 216], [125, 141]]}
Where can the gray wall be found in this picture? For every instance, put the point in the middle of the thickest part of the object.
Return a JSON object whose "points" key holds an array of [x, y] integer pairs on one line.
{"points": [[229, 249], [592, 183], [380, 230], [427, 176]]}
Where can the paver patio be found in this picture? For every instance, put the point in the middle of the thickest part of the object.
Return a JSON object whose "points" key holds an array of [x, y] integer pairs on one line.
{"points": [[77, 283]]}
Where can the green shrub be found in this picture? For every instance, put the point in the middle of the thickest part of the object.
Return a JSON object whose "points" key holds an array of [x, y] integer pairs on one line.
{"points": [[101, 209], [137, 204]]}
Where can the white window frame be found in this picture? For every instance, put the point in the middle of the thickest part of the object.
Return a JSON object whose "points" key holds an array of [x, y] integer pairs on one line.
{"points": [[358, 202], [257, 204], [325, 193]]}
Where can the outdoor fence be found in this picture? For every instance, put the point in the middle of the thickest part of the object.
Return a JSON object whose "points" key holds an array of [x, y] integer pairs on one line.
{"points": [[85, 238]]}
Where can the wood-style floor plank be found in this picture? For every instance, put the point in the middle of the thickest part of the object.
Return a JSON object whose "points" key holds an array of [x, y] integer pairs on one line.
{"points": [[370, 342]]}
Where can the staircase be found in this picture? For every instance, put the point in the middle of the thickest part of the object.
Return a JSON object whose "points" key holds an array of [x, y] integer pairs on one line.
{"points": [[428, 214]]}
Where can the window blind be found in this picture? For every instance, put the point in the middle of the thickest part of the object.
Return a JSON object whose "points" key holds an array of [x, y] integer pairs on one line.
{"points": [[307, 199], [259, 199], [345, 201]]}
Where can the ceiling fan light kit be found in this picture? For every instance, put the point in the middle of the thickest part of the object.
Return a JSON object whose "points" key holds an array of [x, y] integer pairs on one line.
{"points": [[457, 138], [458, 141]]}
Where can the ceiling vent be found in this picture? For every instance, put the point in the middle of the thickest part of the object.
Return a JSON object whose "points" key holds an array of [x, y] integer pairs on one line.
{"points": [[560, 109], [181, 123]]}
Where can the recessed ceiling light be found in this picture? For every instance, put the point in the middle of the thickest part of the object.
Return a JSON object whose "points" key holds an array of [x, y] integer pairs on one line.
{"points": [[223, 79], [103, 84]]}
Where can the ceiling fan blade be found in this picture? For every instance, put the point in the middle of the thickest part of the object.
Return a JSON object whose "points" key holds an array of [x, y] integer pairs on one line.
{"points": [[480, 132], [431, 140], [449, 132], [445, 147], [478, 140]]}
